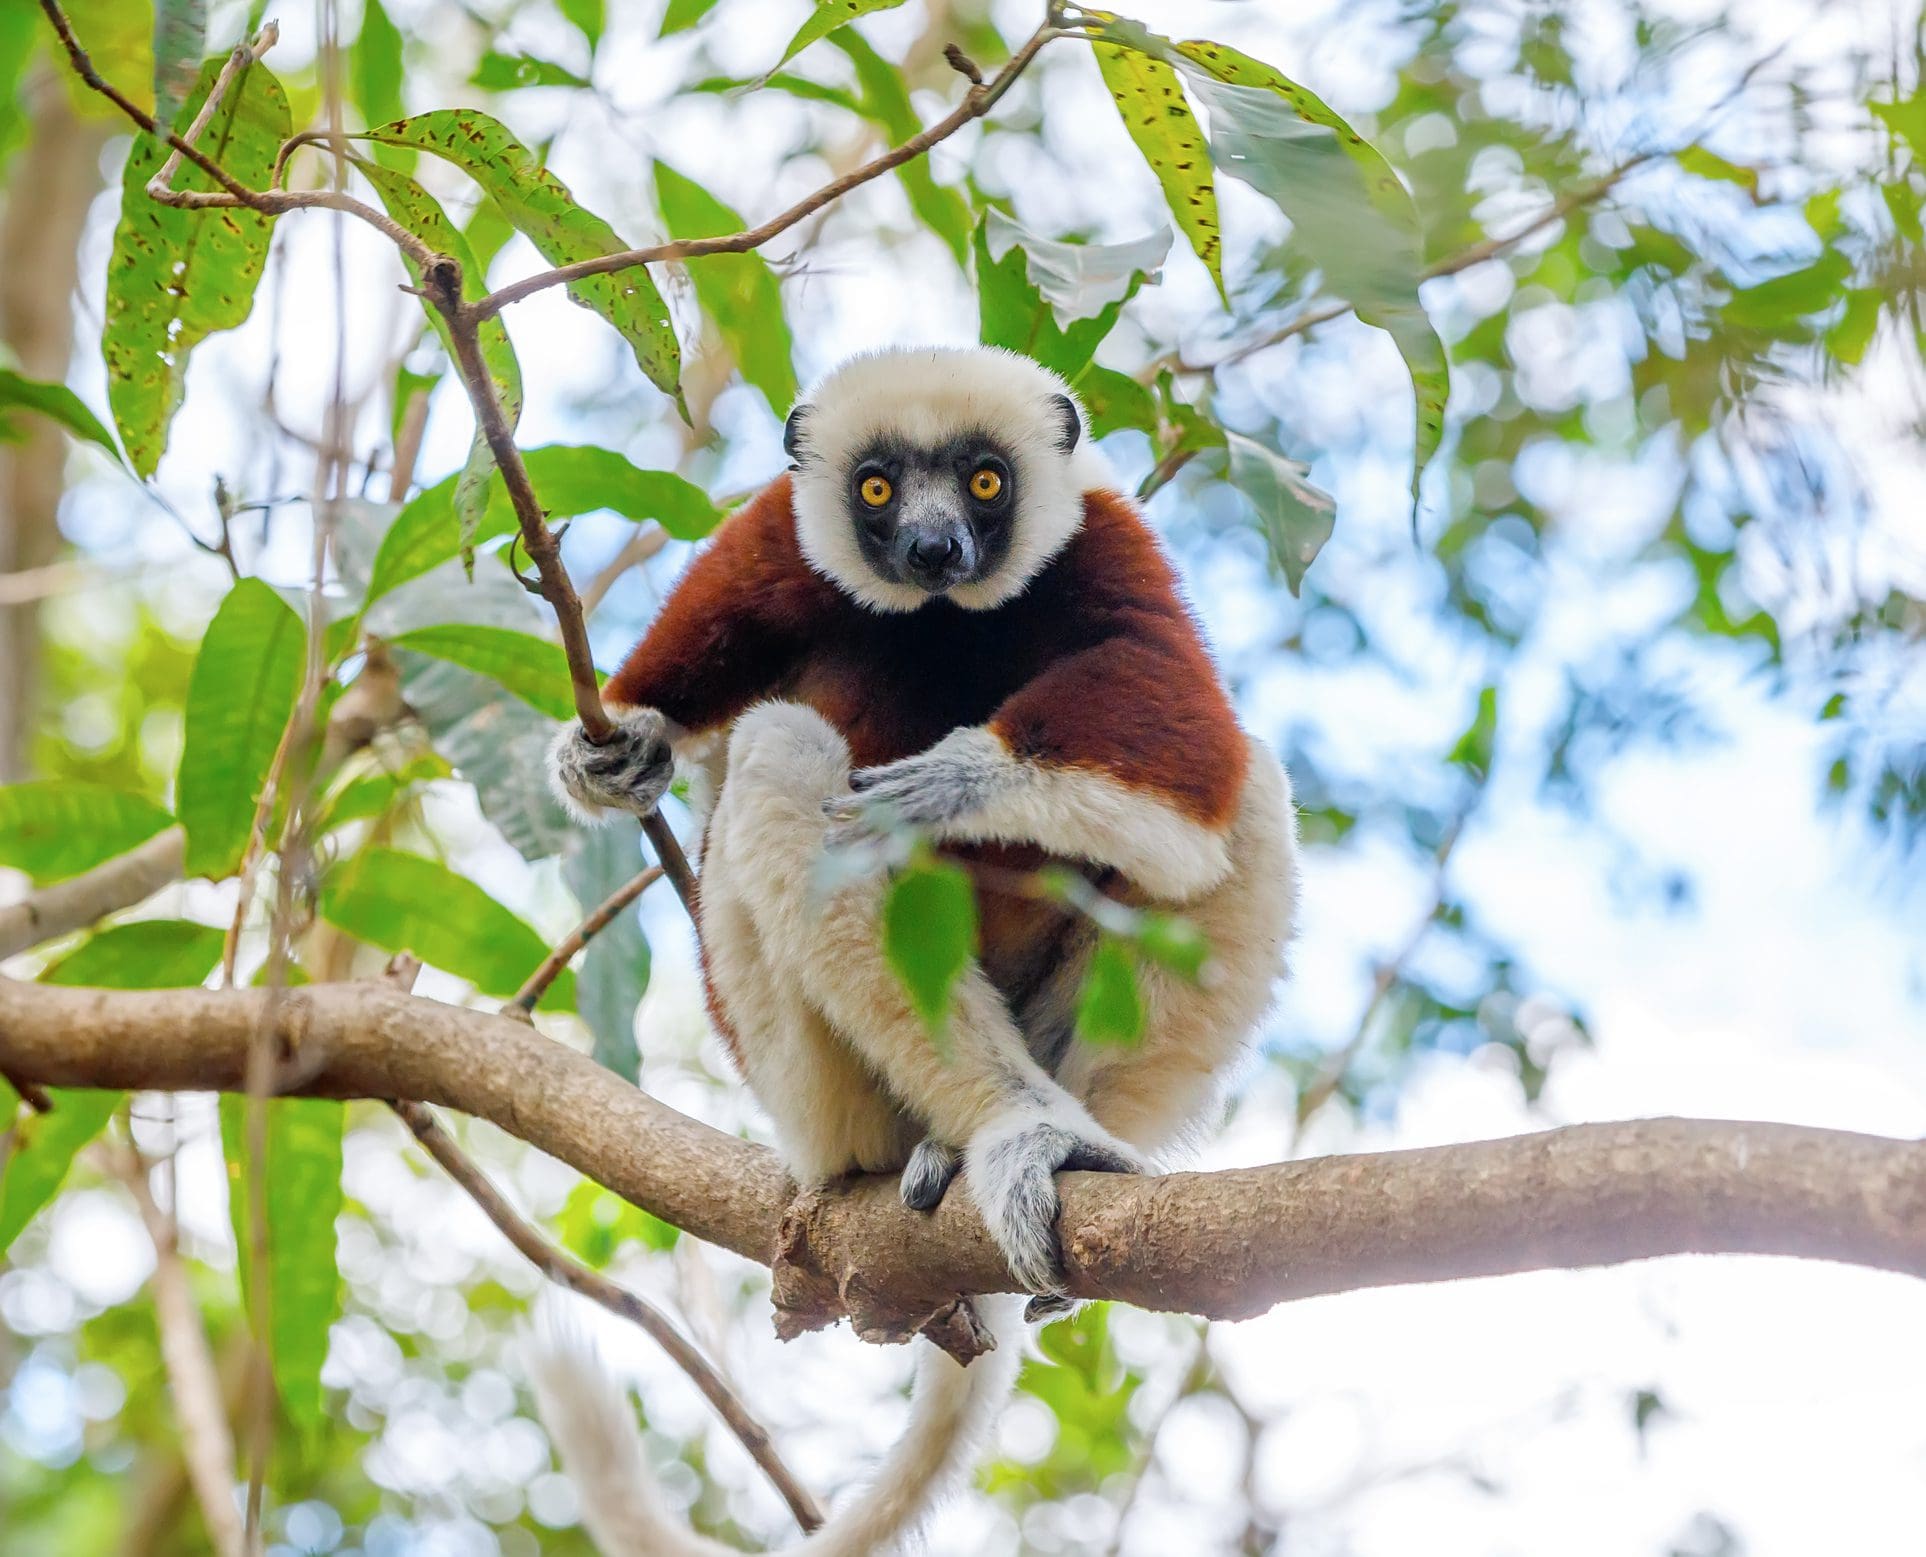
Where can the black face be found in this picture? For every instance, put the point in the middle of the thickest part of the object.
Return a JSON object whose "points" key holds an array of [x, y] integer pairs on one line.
{"points": [[934, 518]]}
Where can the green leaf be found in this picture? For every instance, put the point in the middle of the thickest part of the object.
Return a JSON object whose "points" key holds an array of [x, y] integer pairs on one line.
{"points": [[738, 291], [1110, 1008], [402, 902], [1295, 516], [886, 101], [597, 1222], [614, 975], [1116, 401], [1906, 118], [589, 17], [56, 829], [144, 954], [44, 1148], [684, 14], [1474, 748], [375, 66], [175, 277], [373, 794], [506, 72], [570, 479], [1348, 210], [540, 206], [827, 17], [1848, 339], [180, 39], [534, 669], [929, 935], [56, 401], [240, 696], [302, 1180], [1702, 162], [1174, 943], [1150, 97], [417, 210], [1078, 280], [1015, 314], [1779, 304]]}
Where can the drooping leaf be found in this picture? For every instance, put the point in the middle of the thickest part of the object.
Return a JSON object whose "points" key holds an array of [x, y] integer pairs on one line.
{"points": [[1150, 96], [885, 100], [375, 66], [1779, 303], [1848, 339], [240, 696], [144, 954], [684, 14], [738, 291], [175, 277], [1110, 1008], [534, 669], [44, 1148], [497, 72], [569, 479], [180, 40], [827, 17], [417, 210], [1078, 280], [588, 16], [53, 830], [540, 206], [1015, 314], [402, 902], [55, 401], [1295, 516], [1115, 401], [1348, 209], [614, 975], [929, 935], [301, 1177]]}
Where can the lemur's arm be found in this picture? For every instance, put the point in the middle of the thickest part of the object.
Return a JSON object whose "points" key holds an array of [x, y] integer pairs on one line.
{"points": [[727, 634], [1125, 752]]}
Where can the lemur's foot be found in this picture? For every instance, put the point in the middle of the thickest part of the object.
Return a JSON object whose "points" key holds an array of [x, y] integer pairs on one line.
{"points": [[931, 1170], [1011, 1167], [631, 771], [1048, 1306]]}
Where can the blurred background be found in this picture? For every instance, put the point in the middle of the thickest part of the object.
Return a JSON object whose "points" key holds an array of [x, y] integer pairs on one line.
{"points": [[1613, 769]]}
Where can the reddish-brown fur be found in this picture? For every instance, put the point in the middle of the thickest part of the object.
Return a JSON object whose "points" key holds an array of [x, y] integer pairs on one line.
{"points": [[1097, 664]]}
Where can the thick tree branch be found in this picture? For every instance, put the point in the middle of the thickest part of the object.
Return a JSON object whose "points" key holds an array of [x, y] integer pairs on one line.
{"points": [[1228, 1245], [73, 905]]}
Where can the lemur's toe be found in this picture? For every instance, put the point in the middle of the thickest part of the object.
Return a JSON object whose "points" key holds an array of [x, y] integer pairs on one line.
{"points": [[1048, 1306], [931, 1170]]}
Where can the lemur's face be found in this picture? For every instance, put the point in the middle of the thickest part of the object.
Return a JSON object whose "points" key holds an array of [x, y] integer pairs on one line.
{"points": [[934, 518]]}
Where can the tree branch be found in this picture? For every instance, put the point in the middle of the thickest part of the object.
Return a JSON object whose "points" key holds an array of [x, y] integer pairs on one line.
{"points": [[1227, 1244], [569, 1272], [73, 905], [530, 994]]}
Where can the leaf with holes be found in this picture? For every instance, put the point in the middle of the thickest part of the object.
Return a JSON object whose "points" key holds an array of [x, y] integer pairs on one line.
{"points": [[239, 700], [301, 1178], [144, 954], [534, 669], [828, 16], [738, 291], [886, 101], [176, 277], [402, 902], [570, 479], [56, 402], [1110, 1008], [53, 830], [541, 207], [929, 935], [1150, 96]]}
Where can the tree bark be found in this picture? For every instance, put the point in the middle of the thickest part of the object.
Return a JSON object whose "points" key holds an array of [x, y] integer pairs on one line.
{"points": [[1227, 1244]]}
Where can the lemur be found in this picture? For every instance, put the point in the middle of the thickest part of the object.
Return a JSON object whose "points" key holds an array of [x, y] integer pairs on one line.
{"points": [[943, 616]]}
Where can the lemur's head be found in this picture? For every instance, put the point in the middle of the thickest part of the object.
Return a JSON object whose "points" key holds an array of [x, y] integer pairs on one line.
{"points": [[926, 471]]}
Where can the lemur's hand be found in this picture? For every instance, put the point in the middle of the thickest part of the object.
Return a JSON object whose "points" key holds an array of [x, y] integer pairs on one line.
{"points": [[631, 772], [927, 790]]}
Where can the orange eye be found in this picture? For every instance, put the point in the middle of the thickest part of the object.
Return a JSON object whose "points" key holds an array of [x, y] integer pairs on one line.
{"points": [[875, 490], [985, 484]]}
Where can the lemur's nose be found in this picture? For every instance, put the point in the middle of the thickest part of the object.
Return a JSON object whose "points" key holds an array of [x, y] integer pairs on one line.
{"points": [[934, 554]]}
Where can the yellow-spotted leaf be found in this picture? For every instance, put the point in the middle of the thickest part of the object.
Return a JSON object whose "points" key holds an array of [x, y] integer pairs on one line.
{"points": [[175, 277], [1150, 96]]}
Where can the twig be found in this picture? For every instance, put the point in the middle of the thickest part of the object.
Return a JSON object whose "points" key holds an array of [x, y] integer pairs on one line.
{"points": [[565, 1270], [639, 548], [414, 420], [207, 1443], [244, 55], [527, 997], [29, 1092], [977, 102], [120, 883]]}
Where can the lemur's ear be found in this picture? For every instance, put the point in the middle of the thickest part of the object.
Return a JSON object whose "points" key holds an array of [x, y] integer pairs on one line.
{"points": [[1069, 424], [792, 431]]}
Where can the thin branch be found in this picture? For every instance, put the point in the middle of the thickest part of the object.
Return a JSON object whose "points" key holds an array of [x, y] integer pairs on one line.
{"points": [[530, 994], [977, 102], [564, 1270], [120, 883], [1227, 1244], [160, 186]]}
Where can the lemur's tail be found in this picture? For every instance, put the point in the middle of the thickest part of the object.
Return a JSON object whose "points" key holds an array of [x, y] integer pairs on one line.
{"points": [[588, 1417]]}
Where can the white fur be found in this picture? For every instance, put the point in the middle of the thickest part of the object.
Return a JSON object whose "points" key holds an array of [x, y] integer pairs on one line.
{"points": [[926, 395]]}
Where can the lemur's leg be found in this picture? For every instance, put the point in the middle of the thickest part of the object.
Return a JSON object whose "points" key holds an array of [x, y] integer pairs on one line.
{"points": [[831, 1115], [980, 1085], [1150, 1093]]}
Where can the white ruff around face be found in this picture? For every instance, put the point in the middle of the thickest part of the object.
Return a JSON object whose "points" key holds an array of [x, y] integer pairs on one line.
{"points": [[927, 395]]}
